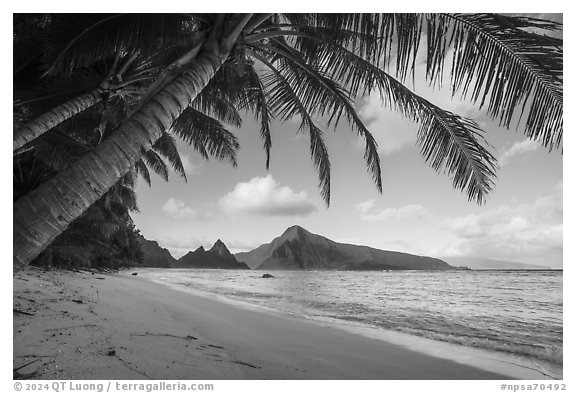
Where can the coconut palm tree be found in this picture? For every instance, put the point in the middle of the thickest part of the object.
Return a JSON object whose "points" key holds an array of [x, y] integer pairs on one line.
{"points": [[104, 234], [309, 66], [105, 230], [102, 237]]}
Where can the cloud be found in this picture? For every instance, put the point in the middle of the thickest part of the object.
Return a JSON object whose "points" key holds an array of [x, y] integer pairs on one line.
{"points": [[264, 196], [178, 210], [406, 212], [531, 232], [518, 148], [363, 207], [500, 221]]}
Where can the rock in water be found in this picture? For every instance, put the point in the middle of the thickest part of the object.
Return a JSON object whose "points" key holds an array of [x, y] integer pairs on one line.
{"points": [[266, 275]]}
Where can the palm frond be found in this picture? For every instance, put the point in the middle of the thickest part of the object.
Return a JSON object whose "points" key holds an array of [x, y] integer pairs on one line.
{"points": [[325, 45], [207, 135], [27, 30], [51, 91], [86, 128], [81, 133], [238, 82], [258, 103], [127, 200], [326, 97], [80, 40], [117, 83], [321, 159], [56, 150], [446, 140], [216, 103], [377, 38], [128, 180], [451, 142], [142, 170], [285, 100], [460, 137], [155, 162], [502, 62], [498, 61], [166, 146]]}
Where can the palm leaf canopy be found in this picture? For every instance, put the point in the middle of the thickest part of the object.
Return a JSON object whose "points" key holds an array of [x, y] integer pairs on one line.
{"points": [[316, 67]]}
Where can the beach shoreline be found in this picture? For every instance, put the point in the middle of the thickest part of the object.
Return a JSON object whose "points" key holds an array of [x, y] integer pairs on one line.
{"points": [[118, 326]]}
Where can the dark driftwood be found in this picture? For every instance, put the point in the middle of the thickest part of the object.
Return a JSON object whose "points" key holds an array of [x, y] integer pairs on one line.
{"points": [[23, 312], [18, 375]]}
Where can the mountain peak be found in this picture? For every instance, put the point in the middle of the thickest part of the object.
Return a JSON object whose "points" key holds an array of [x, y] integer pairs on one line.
{"points": [[218, 257], [299, 249], [220, 248], [294, 232]]}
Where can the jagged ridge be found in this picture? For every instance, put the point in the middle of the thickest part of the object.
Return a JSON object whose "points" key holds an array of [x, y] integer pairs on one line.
{"points": [[218, 257]]}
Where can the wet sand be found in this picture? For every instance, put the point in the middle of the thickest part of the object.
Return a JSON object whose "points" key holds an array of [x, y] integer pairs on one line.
{"points": [[118, 326]]}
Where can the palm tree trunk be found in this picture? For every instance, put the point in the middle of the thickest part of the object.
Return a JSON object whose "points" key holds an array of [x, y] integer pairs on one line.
{"points": [[47, 211], [55, 116]]}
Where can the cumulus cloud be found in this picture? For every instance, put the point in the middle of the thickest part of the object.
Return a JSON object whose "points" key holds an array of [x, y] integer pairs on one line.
{"points": [[517, 149], [363, 207], [178, 210], [367, 213], [531, 232], [264, 196]]}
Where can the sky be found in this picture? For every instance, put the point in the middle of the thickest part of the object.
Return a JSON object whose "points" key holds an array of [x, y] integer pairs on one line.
{"points": [[418, 211]]}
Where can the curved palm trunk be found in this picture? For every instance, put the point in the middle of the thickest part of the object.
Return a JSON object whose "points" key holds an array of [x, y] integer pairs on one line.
{"points": [[55, 116], [47, 211]]}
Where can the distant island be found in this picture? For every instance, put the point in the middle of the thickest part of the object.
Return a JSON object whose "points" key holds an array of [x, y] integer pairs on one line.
{"points": [[298, 249], [491, 264], [218, 257], [295, 249]]}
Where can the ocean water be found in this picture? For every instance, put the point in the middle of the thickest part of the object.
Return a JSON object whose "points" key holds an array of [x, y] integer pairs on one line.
{"points": [[518, 313]]}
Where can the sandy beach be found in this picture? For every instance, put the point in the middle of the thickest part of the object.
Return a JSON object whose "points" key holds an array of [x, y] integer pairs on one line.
{"points": [[118, 326]]}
